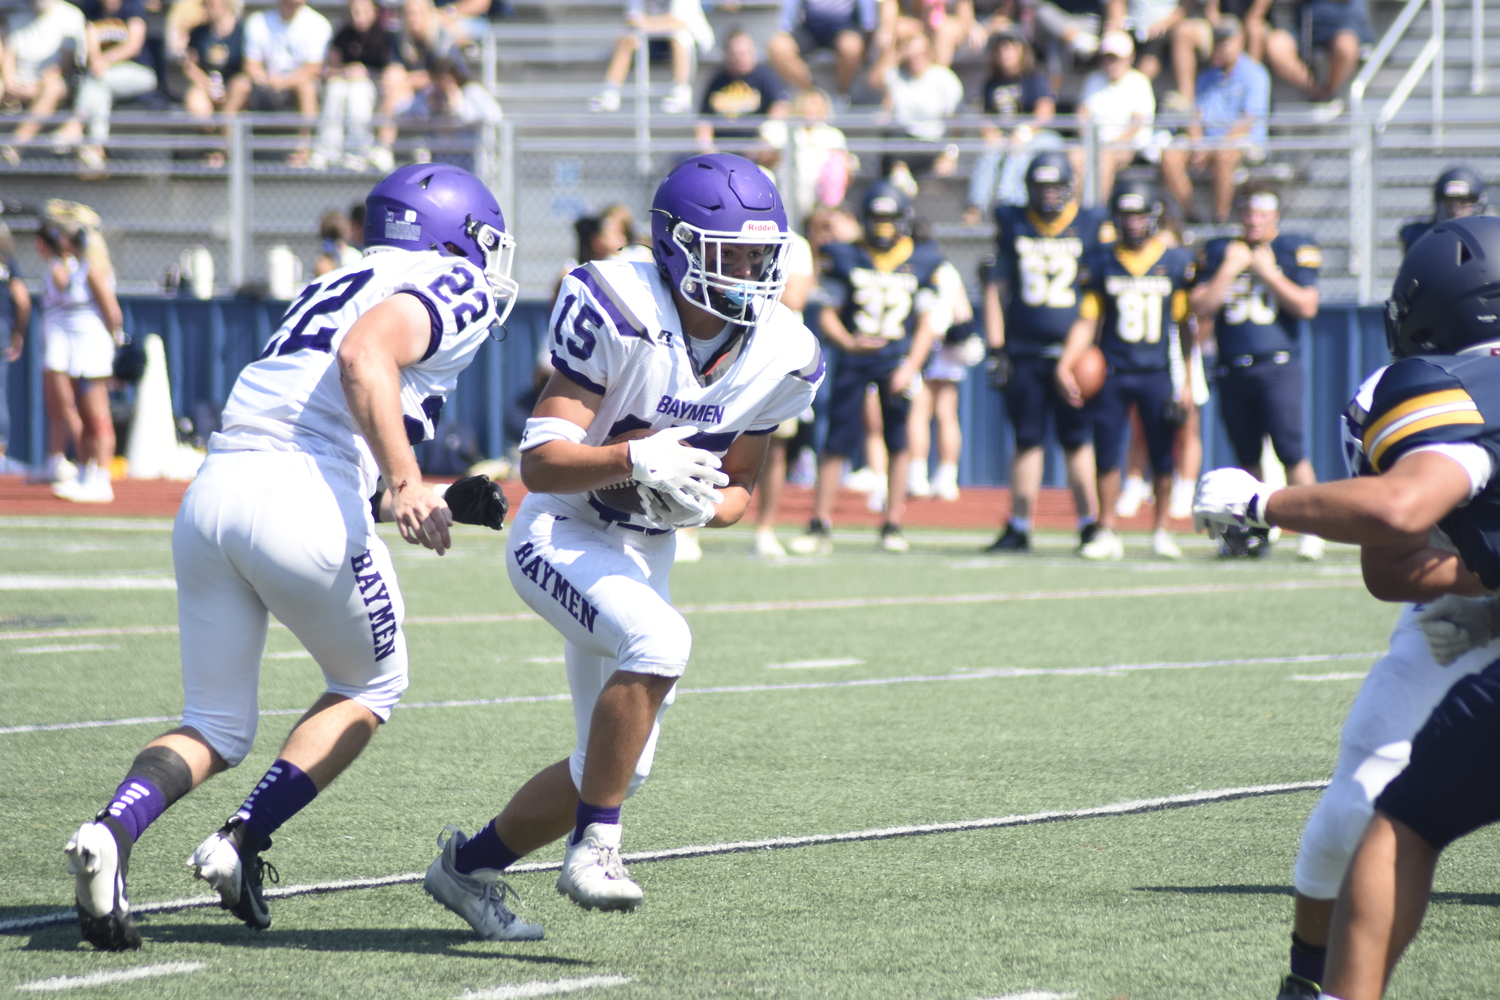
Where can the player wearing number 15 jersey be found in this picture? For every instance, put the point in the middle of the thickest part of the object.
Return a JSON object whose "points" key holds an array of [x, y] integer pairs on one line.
{"points": [[279, 521], [1136, 297], [1258, 288], [880, 293], [1029, 308]]}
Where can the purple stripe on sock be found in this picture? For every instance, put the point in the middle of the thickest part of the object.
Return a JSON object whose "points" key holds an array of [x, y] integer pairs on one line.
{"points": [[484, 850], [588, 814], [136, 805], [281, 794]]}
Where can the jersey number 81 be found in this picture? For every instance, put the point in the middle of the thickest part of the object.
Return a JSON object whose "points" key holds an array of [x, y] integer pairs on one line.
{"points": [[1140, 317]]}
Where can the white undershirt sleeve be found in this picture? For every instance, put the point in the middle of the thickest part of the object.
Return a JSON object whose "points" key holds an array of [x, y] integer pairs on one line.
{"points": [[1476, 461], [540, 430]]}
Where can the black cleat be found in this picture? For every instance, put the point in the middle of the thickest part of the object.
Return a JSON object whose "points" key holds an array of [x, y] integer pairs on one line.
{"points": [[1244, 543], [1011, 541], [1087, 532], [230, 862], [1294, 987]]}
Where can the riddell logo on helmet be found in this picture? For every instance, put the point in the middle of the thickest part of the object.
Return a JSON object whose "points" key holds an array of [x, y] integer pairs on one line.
{"points": [[760, 227], [1456, 189], [1047, 175], [403, 228]]}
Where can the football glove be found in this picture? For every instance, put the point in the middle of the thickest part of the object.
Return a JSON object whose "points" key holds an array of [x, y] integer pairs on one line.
{"points": [[1230, 498], [663, 460], [677, 507], [997, 367], [477, 500], [1454, 625]]}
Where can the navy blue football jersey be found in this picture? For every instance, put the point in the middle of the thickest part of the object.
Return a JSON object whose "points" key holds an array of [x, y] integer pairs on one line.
{"points": [[1444, 400], [881, 294], [1250, 321], [1142, 295], [1413, 231], [1039, 261]]}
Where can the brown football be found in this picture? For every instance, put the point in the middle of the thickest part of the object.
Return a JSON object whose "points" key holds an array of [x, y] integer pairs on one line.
{"points": [[622, 496], [1089, 372]]}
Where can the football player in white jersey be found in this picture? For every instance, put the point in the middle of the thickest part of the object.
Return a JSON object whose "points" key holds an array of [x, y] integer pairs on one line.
{"points": [[281, 520], [693, 357]]}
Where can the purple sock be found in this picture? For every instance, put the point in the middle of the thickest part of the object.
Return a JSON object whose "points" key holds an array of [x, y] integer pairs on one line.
{"points": [[1308, 960], [593, 814], [281, 794], [136, 805], [484, 850]]}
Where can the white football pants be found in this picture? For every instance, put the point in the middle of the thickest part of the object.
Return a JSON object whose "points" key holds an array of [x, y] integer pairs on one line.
{"points": [[1395, 700], [288, 534], [605, 590]]}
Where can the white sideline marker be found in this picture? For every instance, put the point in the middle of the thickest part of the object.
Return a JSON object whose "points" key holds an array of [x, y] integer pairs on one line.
{"points": [[1331, 677], [814, 664], [1131, 807], [80, 648], [59, 983], [561, 986], [970, 674], [27, 581]]}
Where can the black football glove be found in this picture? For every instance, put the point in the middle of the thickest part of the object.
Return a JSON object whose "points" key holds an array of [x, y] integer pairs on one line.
{"points": [[998, 368], [477, 500]]}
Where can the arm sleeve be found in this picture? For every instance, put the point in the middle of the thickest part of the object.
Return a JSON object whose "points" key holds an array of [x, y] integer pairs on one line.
{"points": [[1477, 462], [1415, 404]]}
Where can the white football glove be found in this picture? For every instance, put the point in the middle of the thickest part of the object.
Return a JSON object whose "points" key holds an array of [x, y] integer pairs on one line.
{"points": [[1454, 625], [677, 507], [663, 460], [1228, 498]]}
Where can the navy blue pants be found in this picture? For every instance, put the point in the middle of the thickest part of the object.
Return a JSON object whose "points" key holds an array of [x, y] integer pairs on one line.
{"points": [[1150, 392], [1260, 400], [846, 402], [1031, 394], [1449, 789]]}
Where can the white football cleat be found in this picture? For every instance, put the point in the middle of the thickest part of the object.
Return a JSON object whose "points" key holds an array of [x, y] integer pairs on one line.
{"points": [[1163, 546], [237, 876], [95, 861], [1132, 495], [688, 549], [593, 875], [478, 897], [56, 469], [1310, 548], [766, 546], [1181, 506], [1104, 545]]}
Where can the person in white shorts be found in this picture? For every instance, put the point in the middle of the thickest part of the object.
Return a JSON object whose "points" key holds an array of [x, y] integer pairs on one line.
{"points": [[961, 348], [281, 520], [81, 325], [696, 356]]}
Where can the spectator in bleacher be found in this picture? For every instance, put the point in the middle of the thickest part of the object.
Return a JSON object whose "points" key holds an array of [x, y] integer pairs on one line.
{"points": [[455, 96], [1119, 101], [841, 26], [464, 19], [1193, 43], [744, 87], [15, 314], [948, 24], [956, 348], [118, 66], [34, 65], [214, 63], [423, 42], [1014, 89], [284, 52], [182, 17], [920, 96], [362, 52], [333, 230], [1151, 22], [675, 28], [1338, 27], [824, 163], [1067, 31], [1234, 98]]}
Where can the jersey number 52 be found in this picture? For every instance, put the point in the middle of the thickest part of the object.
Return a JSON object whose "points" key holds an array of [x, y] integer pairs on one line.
{"points": [[1047, 280]]}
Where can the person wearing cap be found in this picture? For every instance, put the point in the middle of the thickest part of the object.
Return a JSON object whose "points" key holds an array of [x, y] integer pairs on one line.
{"points": [[1458, 193], [1257, 289], [1193, 44], [1151, 23], [1234, 98], [1119, 101]]}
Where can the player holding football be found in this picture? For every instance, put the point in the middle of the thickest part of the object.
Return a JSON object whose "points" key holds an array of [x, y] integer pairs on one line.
{"points": [[1257, 288], [1135, 296], [1039, 249], [1425, 434], [880, 300], [280, 519], [696, 348]]}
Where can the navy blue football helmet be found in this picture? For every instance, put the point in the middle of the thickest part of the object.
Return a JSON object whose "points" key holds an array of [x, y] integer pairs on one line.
{"points": [[1136, 209], [886, 215], [1447, 293], [1458, 193], [711, 202], [1049, 183]]}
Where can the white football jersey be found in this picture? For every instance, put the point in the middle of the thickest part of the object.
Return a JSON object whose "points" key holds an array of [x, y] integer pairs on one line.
{"points": [[291, 398], [615, 330]]}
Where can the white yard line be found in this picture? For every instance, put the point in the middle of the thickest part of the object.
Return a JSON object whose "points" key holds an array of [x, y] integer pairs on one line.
{"points": [[1036, 995], [60, 983], [814, 664], [1332, 677], [1130, 807], [967, 675], [561, 986], [80, 648], [36, 581]]}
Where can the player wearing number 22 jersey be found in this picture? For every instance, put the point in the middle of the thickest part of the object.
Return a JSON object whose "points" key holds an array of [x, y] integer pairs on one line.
{"points": [[279, 521]]}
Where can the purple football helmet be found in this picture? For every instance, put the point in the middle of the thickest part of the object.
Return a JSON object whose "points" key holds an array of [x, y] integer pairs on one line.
{"points": [[437, 206], [710, 203]]}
